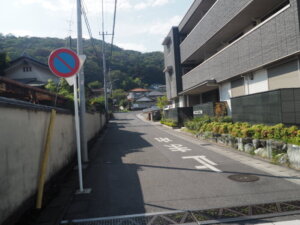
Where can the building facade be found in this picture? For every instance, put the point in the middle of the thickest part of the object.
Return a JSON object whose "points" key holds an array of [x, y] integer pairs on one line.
{"points": [[227, 48], [29, 71]]}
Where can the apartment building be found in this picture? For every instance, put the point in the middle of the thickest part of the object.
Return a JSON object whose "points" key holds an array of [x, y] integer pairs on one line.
{"points": [[223, 49]]}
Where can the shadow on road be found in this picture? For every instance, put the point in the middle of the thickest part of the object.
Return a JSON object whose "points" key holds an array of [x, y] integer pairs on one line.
{"points": [[116, 189]]}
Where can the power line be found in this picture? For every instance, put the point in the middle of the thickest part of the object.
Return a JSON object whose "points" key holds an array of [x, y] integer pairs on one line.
{"points": [[90, 34], [113, 29], [104, 60]]}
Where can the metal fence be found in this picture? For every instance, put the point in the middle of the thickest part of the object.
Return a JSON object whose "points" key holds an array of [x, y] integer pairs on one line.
{"points": [[209, 216]]}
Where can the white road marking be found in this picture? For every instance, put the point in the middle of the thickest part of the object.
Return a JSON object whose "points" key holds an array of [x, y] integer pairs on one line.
{"points": [[160, 139], [206, 163], [177, 148], [289, 174]]}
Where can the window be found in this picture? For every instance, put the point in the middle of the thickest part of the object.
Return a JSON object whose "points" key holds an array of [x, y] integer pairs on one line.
{"points": [[26, 69]]}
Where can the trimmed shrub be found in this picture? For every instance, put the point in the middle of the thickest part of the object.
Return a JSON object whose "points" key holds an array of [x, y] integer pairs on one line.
{"points": [[224, 125]]}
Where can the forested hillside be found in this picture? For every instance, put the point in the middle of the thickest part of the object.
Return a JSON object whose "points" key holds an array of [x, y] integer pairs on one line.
{"points": [[128, 68]]}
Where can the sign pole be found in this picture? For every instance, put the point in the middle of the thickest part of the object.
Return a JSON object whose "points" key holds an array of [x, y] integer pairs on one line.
{"points": [[77, 128], [81, 86], [65, 63]]}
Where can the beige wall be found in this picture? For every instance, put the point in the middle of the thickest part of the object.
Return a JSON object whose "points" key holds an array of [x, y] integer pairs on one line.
{"points": [[22, 136], [237, 87], [284, 76]]}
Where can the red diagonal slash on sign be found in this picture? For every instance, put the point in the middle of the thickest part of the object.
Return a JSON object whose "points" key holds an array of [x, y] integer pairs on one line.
{"points": [[55, 54], [64, 62]]}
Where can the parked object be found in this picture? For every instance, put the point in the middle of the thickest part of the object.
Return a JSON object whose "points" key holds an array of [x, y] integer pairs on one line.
{"points": [[153, 113]]}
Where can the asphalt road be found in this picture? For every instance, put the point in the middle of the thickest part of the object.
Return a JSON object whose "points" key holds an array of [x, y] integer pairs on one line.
{"points": [[137, 167]]}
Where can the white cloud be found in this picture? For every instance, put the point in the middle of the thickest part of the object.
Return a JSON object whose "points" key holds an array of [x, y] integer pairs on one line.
{"points": [[133, 46], [93, 6], [158, 28], [56, 5], [160, 2], [150, 3], [163, 27]]}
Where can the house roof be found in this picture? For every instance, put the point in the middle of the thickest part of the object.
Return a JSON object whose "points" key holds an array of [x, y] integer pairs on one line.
{"points": [[139, 90], [156, 93], [29, 58], [26, 59], [144, 99]]}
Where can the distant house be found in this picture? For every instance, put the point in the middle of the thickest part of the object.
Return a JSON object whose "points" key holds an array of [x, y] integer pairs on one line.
{"points": [[30, 71], [141, 98], [142, 103], [155, 94], [137, 93]]}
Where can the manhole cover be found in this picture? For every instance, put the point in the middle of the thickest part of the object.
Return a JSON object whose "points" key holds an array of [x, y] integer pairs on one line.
{"points": [[243, 178]]}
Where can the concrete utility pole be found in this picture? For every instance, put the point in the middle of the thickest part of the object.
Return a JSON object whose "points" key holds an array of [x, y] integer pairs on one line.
{"points": [[84, 152], [104, 60]]}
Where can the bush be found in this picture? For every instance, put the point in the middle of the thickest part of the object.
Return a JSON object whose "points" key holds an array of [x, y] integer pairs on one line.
{"points": [[224, 125], [169, 122]]}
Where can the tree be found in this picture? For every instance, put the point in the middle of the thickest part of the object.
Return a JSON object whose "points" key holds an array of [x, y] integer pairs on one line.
{"points": [[129, 65], [95, 84], [62, 88], [162, 102], [4, 59]]}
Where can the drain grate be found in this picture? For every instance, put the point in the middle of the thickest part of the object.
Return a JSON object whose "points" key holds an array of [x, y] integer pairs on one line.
{"points": [[243, 178], [208, 216]]}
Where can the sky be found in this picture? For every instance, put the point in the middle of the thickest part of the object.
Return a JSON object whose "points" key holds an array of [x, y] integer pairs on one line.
{"points": [[140, 24]]}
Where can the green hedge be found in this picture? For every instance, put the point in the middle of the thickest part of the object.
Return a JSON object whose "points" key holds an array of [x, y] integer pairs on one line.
{"points": [[224, 125], [169, 122]]}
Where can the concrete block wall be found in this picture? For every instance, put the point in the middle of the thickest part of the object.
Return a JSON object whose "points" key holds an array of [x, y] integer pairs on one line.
{"points": [[22, 136], [275, 39]]}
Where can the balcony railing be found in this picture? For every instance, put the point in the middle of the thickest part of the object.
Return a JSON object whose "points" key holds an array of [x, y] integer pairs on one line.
{"points": [[275, 38]]}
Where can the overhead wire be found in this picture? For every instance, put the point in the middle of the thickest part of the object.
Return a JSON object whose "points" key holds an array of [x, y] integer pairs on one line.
{"points": [[113, 29], [84, 12], [90, 33]]}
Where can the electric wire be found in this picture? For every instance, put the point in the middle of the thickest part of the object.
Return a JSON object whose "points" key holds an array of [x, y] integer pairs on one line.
{"points": [[90, 34], [113, 29]]}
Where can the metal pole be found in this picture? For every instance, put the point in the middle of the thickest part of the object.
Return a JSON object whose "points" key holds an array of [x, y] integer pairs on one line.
{"points": [[77, 128], [81, 85], [104, 60]]}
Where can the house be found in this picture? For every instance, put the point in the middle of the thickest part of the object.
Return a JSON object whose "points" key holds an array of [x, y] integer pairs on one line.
{"points": [[137, 93], [141, 98], [240, 53], [142, 103], [155, 94], [30, 71]]}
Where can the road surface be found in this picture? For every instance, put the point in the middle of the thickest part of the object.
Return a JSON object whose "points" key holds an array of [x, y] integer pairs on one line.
{"points": [[137, 167]]}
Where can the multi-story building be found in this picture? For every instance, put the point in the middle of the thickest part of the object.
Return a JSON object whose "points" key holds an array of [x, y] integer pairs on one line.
{"points": [[223, 49]]}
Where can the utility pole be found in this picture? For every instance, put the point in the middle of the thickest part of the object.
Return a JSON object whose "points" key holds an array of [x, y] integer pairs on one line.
{"points": [[84, 152], [104, 60]]}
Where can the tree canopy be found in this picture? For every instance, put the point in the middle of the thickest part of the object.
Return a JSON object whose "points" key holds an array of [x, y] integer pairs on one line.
{"points": [[128, 69]]}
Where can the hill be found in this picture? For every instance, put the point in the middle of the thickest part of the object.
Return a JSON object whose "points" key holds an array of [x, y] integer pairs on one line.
{"points": [[129, 69]]}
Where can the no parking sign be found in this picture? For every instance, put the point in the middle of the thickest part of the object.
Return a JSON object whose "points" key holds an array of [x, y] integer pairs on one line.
{"points": [[63, 62]]}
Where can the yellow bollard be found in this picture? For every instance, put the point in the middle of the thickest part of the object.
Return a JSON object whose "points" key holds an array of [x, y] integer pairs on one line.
{"points": [[44, 163]]}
